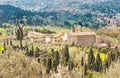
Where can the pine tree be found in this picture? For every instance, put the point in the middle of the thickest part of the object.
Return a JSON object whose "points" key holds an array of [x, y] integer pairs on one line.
{"points": [[98, 63], [91, 60]]}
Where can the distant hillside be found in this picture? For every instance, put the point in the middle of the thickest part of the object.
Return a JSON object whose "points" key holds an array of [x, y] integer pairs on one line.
{"points": [[92, 14], [51, 5], [9, 13]]}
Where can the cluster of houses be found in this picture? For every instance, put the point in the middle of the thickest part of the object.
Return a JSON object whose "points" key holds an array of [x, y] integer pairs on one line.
{"points": [[47, 38], [76, 38], [81, 38]]}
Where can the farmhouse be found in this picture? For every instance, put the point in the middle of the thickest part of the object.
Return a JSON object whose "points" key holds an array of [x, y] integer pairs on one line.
{"points": [[81, 38]]}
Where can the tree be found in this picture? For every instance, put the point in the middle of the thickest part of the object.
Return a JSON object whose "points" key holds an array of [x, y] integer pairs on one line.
{"points": [[106, 64], [70, 65], [82, 62], [85, 69], [30, 53], [4, 46], [27, 50], [20, 28], [54, 65], [98, 63], [11, 42], [7, 42], [66, 54], [110, 57], [18, 34], [91, 60], [49, 65], [32, 50], [80, 23], [37, 50], [57, 57]]}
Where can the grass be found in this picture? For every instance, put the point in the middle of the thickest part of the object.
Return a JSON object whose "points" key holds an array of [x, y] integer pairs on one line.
{"points": [[56, 29], [75, 49], [3, 32], [1, 47]]}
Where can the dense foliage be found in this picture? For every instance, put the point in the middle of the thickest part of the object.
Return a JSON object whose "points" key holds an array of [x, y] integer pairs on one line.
{"points": [[91, 18]]}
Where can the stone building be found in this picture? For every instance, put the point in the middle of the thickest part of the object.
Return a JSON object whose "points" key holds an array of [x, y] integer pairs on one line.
{"points": [[81, 38]]}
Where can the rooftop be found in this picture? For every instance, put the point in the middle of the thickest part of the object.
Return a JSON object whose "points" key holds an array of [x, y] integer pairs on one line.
{"points": [[81, 33]]}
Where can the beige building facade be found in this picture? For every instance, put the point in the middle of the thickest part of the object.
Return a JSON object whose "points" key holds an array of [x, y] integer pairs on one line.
{"points": [[82, 38]]}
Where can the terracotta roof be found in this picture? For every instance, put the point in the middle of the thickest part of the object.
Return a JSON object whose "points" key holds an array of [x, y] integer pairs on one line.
{"points": [[81, 33]]}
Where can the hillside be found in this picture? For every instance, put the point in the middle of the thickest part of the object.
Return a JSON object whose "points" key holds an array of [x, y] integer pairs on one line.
{"points": [[48, 5], [64, 13]]}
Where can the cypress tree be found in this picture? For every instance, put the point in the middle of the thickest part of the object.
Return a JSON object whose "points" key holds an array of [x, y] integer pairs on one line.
{"points": [[18, 34], [17, 46], [52, 53], [98, 63], [82, 61], [31, 53], [32, 50], [38, 60], [7, 42], [66, 54], [106, 64], [2, 51], [4, 46], [117, 54], [113, 56], [49, 65], [57, 57], [70, 65], [27, 51], [37, 50], [11, 42], [109, 57], [91, 60], [54, 65], [85, 69]]}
